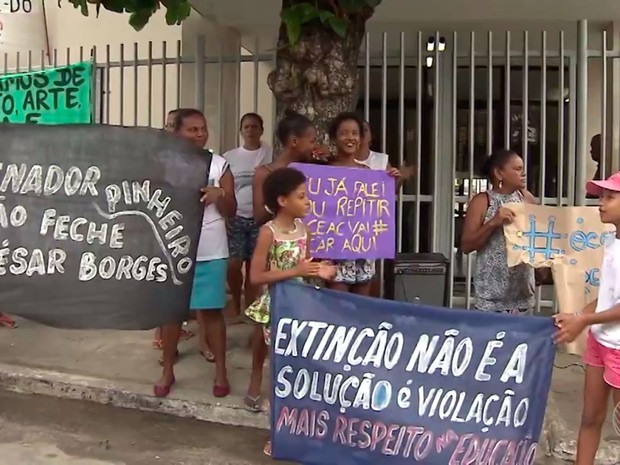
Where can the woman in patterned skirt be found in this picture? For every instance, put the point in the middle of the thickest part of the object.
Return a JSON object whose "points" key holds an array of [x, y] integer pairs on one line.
{"points": [[499, 288]]}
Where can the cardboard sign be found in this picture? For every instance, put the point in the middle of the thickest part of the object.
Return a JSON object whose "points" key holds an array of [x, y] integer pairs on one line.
{"points": [[352, 212], [569, 240]]}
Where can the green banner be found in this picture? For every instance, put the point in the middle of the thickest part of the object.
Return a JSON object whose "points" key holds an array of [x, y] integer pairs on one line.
{"points": [[51, 96]]}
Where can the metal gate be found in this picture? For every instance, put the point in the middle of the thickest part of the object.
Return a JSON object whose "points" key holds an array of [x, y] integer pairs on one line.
{"points": [[437, 101]]}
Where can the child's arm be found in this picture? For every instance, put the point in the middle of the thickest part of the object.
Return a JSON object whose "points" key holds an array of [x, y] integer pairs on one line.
{"points": [[611, 315], [259, 273], [327, 270], [570, 325], [590, 308], [308, 239]]}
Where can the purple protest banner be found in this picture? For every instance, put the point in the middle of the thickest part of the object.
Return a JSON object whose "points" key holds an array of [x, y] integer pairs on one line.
{"points": [[352, 214]]}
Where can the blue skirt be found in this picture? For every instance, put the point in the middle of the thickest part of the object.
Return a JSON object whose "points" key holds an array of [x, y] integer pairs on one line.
{"points": [[209, 287]]}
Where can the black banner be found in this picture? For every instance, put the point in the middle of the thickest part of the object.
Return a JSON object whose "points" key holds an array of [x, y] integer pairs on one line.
{"points": [[98, 225]]}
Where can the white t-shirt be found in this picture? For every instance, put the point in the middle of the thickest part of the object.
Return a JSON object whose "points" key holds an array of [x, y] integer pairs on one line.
{"points": [[609, 294], [243, 163], [213, 243], [375, 161]]}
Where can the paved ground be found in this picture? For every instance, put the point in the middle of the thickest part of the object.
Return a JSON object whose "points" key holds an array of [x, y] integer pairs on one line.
{"points": [[122, 367], [126, 360], [38, 430]]}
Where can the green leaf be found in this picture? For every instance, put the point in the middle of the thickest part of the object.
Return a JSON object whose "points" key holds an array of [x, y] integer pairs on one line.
{"points": [[140, 18], [81, 4], [339, 26], [291, 17], [326, 16], [177, 11], [307, 12], [117, 6]]}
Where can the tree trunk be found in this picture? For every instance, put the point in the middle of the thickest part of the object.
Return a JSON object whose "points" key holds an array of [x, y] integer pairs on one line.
{"points": [[318, 77]]}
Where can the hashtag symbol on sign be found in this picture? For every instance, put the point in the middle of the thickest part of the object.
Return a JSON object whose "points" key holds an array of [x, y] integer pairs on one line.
{"points": [[547, 238], [379, 227]]}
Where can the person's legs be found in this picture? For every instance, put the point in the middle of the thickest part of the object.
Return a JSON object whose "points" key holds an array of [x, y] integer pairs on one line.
{"points": [[236, 246], [203, 342], [208, 299], [612, 378], [365, 273], [214, 330], [259, 355], [235, 284], [375, 282], [595, 399], [616, 418], [345, 276], [362, 288], [170, 335], [250, 290], [342, 287]]}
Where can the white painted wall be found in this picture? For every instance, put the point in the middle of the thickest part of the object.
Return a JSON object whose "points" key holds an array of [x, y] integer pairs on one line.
{"points": [[254, 82], [22, 28]]}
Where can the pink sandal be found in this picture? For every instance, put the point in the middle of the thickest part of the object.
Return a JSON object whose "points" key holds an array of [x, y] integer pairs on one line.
{"points": [[7, 322]]}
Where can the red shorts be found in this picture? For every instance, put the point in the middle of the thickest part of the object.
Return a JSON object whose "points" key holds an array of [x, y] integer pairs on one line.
{"points": [[597, 355]]}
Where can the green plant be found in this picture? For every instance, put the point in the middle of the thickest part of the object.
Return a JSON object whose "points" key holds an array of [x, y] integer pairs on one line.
{"points": [[334, 14], [140, 11], [337, 15]]}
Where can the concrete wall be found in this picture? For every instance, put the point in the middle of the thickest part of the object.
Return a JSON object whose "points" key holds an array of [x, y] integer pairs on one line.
{"points": [[256, 96]]}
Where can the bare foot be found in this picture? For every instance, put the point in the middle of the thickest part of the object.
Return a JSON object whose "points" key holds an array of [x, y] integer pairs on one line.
{"points": [[165, 380]]}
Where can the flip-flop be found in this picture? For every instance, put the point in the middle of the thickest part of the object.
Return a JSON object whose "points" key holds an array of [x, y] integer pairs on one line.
{"points": [[267, 449], [208, 355], [186, 335], [7, 322], [255, 404], [158, 344]]}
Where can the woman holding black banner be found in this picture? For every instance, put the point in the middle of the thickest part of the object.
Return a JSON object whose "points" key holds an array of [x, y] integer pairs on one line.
{"points": [[345, 132], [209, 287], [158, 342]]}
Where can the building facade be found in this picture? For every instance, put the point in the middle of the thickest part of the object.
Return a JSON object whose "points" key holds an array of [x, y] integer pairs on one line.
{"points": [[443, 83]]}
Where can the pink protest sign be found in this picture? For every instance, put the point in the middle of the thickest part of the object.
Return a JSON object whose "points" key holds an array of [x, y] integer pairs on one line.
{"points": [[352, 214]]}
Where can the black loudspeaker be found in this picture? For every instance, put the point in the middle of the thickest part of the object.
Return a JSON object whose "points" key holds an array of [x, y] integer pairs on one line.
{"points": [[420, 278]]}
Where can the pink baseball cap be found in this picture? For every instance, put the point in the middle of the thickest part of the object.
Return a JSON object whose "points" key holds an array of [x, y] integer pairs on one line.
{"points": [[612, 183]]}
